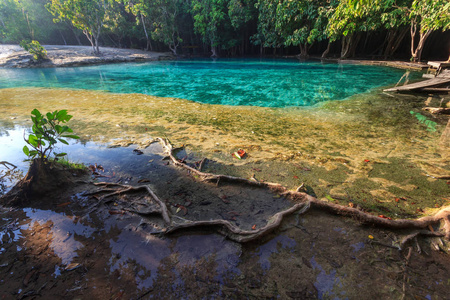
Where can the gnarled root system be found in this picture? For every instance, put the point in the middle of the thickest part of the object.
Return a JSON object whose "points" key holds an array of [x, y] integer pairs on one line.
{"points": [[303, 203]]}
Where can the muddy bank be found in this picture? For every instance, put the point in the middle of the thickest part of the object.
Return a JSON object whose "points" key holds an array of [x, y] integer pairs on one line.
{"points": [[69, 245], [13, 56], [72, 243]]}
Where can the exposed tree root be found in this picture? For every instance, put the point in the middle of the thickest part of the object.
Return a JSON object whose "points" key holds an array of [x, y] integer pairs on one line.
{"points": [[127, 188], [413, 235], [223, 227], [297, 196], [214, 177], [303, 204], [235, 233]]}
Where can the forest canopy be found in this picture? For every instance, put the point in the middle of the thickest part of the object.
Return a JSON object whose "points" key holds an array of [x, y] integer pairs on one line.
{"points": [[375, 28]]}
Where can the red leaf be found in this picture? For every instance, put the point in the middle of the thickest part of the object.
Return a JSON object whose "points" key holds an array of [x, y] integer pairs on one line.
{"points": [[296, 177], [366, 160], [254, 227]]}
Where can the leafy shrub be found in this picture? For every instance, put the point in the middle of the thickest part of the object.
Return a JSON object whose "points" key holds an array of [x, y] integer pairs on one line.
{"points": [[34, 48], [47, 131]]}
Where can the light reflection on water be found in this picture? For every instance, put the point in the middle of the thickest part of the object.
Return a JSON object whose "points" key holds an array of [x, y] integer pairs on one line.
{"points": [[63, 231]]}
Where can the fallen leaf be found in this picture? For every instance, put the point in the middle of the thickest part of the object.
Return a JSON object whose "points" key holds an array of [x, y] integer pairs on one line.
{"points": [[370, 236], [296, 177], [351, 204], [366, 160], [397, 200], [254, 227], [384, 217]]}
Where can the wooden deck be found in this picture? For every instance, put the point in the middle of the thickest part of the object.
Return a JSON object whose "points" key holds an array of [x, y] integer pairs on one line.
{"points": [[434, 84]]}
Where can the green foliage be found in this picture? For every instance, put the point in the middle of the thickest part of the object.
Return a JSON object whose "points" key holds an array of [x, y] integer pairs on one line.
{"points": [[47, 131], [34, 48], [87, 15], [165, 14], [431, 126], [221, 24]]}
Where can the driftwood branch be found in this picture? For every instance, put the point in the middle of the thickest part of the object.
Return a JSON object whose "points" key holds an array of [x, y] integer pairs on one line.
{"points": [[301, 197], [5, 163], [235, 233]]}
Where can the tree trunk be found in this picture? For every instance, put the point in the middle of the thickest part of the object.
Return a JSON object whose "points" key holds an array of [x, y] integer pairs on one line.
{"points": [[353, 44], [214, 51], [90, 38], [65, 43], [149, 44], [173, 49], [303, 50], [325, 53], [395, 37], [416, 51], [96, 37], [345, 48]]}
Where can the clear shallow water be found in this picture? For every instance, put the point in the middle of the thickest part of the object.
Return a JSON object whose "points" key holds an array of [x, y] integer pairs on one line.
{"points": [[254, 82]]}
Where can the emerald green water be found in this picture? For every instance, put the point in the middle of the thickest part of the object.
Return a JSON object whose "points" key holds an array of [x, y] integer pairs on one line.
{"points": [[254, 82]]}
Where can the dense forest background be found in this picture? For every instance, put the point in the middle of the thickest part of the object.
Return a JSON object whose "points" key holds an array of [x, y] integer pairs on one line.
{"points": [[377, 29]]}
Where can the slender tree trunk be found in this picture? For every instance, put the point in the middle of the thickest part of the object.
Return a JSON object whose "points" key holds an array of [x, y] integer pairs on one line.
{"points": [[96, 38], [90, 38], [353, 44], [395, 37], [325, 53], [345, 48], [149, 44], [65, 43], [304, 50], [173, 48], [213, 50], [417, 55], [416, 51]]}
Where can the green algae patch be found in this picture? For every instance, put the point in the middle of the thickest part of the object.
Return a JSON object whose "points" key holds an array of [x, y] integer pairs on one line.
{"points": [[365, 151]]}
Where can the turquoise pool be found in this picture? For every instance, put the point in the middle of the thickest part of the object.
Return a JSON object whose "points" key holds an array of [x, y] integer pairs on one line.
{"points": [[254, 82]]}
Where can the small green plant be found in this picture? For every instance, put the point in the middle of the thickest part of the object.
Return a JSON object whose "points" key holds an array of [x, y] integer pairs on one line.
{"points": [[47, 131], [34, 48], [431, 126], [71, 165]]}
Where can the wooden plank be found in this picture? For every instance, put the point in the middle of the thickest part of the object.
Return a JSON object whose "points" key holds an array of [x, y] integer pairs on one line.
{"points": [[420, 85], [439, 64]]}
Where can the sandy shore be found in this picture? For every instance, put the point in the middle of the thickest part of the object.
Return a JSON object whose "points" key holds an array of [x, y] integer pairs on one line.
{"points": [[13, 56]]}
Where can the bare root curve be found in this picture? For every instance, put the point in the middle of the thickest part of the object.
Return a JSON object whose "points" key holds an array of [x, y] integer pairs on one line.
{"points": [[301, 197]]}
